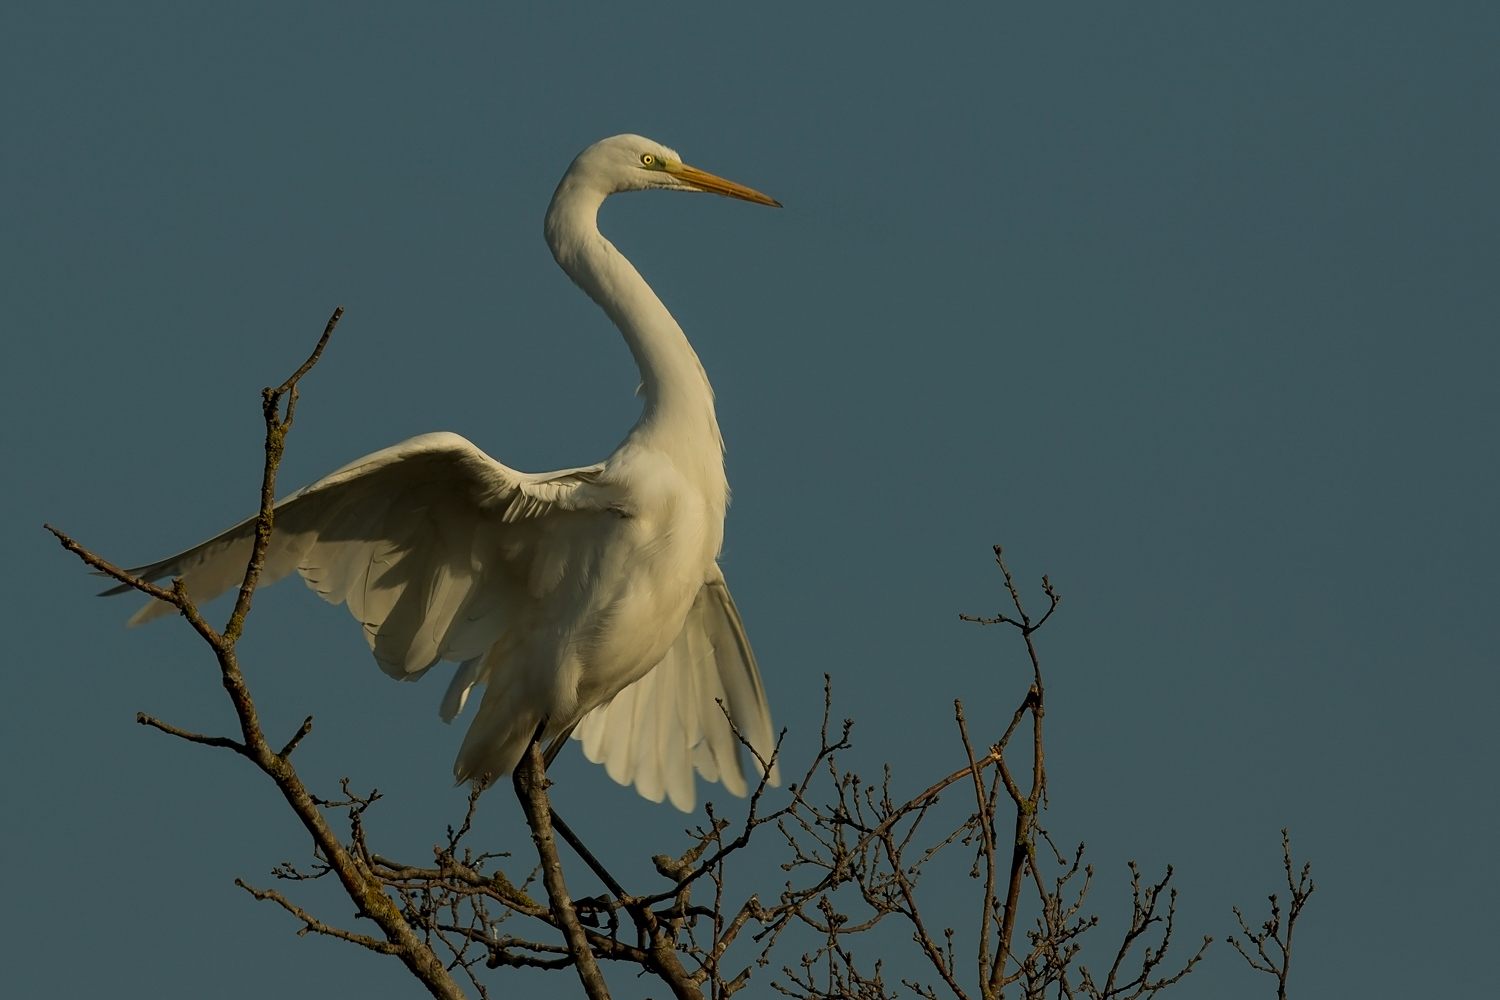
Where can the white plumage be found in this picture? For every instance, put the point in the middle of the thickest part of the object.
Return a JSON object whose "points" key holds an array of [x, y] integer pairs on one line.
{"points": [[587, 598]]}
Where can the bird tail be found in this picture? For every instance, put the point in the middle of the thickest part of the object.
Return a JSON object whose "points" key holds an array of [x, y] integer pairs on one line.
{"points": [[489, 753], [502, 730]]}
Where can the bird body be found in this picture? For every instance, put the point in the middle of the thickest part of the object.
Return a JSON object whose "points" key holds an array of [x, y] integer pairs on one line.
{"points": [[587, 600]]}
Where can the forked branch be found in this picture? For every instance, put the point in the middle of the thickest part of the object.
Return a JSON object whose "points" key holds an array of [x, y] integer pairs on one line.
{"points": [[367, 891], [1273, 942]]}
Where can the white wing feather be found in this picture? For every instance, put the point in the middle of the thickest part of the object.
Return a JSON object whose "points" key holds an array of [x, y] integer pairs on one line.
{"points": [[656, 731], [409, 538]]}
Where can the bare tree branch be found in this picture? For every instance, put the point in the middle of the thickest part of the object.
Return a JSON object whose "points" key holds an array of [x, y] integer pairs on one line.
{"points": [[316, 926], [367, 891], [170, 730], [530, 779], [297, 738], [1279, 963]]}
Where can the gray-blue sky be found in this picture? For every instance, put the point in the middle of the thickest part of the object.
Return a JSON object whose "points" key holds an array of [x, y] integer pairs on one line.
{"points": [[1188, 305]]}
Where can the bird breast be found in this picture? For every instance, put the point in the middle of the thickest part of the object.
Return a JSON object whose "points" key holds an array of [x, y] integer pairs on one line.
{"points": [[664, 539]]}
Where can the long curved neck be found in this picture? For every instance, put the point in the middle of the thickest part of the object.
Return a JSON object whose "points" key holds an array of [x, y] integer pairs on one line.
{"points": [[679, 403]]}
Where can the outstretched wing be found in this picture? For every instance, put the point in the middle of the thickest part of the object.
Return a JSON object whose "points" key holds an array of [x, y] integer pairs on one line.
{"points": [[657, 730], [410, 538]]}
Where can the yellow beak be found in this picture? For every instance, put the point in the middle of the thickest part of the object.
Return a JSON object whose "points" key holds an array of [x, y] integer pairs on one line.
{"points": [[705, 181]]}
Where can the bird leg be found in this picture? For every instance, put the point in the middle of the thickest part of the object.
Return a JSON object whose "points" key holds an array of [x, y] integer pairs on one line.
{"points": [[555, 747]]}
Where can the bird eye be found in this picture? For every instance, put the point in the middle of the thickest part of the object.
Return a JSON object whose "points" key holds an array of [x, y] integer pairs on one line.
{"points": [[647, 160]]}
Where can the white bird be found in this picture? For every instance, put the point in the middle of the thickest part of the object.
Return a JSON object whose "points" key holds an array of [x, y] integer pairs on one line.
{"points": [[589, 600]]}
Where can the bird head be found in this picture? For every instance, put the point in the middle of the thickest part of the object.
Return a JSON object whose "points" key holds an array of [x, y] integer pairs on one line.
{"points": [[635, 163]]}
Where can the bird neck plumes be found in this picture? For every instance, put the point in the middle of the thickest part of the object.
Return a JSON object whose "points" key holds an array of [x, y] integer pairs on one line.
{"points": [[679, 407]]}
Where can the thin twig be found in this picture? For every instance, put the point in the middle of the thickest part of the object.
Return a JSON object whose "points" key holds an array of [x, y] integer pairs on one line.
{"points": [[297, 738], [313, 924], [208, 741], [1280, 964]]}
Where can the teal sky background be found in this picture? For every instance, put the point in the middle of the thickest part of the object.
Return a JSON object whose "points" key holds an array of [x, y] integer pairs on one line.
{"points": [[1191, 306]]}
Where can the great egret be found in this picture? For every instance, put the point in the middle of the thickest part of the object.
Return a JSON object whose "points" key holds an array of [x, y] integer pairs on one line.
{"points": [[587, 598]]}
